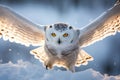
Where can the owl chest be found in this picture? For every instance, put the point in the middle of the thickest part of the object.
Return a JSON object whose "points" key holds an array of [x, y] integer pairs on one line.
{"points": [[60, 53]]}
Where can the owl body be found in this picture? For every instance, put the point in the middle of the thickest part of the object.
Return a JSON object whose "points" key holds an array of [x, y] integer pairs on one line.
{"points": [[61, 45], [64, 57]]}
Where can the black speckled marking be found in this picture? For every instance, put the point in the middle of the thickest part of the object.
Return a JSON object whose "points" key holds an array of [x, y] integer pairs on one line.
{"points": [[60, 27], [0, 34]]}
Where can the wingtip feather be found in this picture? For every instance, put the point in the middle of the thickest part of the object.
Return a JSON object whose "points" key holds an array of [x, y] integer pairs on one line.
{"points": [[117, 2]]}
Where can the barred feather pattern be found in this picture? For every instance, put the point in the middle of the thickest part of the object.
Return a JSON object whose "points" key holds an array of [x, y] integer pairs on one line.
{"points": [[105, 25], [17, 29]]}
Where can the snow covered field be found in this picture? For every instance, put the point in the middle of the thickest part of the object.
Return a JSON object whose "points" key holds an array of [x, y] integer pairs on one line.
{"points": [[28, 71]]}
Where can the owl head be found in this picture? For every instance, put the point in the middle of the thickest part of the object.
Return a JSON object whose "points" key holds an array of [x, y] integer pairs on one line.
{"points": [[61, 34]]}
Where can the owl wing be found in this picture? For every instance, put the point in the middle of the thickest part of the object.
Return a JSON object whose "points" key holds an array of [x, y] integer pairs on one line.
{"points": [[39, 53], [83, 58], [15, 28], [105, 25]]}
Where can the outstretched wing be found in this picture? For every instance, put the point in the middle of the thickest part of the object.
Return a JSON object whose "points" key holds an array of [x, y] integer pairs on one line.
{"points": [[83, 58], [39, 53], [105, 25], [14, 27]]}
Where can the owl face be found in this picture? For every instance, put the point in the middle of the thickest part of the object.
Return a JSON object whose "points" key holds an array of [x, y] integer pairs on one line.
{"points": [[61, 35]]}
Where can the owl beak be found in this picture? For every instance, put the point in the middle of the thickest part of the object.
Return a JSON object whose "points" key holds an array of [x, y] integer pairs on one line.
{"points": [[59, 41]]}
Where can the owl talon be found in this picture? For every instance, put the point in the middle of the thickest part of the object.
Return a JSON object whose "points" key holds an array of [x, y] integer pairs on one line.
{"points": [[47, 67]]}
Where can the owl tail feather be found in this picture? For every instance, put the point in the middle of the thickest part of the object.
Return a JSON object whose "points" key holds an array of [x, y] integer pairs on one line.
{"points": [[40, 54], [83, 58]]}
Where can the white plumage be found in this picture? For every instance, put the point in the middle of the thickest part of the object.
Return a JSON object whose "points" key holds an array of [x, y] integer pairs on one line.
{"points": [[62, 43]]}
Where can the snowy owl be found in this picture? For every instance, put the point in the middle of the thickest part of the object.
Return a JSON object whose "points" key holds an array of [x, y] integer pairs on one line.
{"points": [[60, 44]]}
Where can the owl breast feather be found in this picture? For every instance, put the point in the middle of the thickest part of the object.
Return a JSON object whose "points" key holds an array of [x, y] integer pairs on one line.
{"points": [[61, 53]]}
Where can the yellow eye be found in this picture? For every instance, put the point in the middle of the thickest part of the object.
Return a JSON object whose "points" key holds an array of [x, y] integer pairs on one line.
{"points": [[53, 34], [65, 35]]}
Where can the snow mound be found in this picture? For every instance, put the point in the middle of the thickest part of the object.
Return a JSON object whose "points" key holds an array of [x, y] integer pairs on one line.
{"points": [[28, 71]]}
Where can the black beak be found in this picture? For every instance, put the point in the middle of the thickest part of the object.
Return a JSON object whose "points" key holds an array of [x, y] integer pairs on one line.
{"points": [[59, 41]]}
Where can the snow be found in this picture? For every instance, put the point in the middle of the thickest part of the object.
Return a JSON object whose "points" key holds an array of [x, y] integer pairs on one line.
{"points": [[24, 70]]}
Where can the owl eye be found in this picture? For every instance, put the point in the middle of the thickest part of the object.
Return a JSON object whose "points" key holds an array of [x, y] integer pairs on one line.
{"points": [[65, 35], [53, 34]]}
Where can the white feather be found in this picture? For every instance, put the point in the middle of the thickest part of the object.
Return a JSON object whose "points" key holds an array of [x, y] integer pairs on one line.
{"points": [[15, 28], [105, 25]]}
